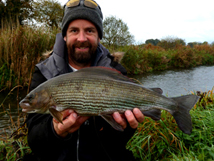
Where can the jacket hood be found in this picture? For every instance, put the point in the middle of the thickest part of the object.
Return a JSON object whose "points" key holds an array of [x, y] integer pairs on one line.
{"points": [[57, 63]]}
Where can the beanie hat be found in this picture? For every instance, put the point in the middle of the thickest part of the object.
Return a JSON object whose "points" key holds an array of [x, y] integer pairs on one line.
{"points": [[83, 9]]}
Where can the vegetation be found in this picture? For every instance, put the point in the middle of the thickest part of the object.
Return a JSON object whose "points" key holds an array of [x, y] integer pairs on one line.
{"points": [[49, 13], [21, 48], [116, 32], [31, 12], [153, 140], [12, 11], [162, 140], [152, 41], [138, 59]]}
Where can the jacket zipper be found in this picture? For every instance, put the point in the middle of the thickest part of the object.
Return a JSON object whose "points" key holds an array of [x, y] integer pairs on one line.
{"points": [[78, 145]]}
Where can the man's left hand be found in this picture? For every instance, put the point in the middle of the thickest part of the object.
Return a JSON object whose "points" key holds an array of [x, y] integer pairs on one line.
{"points": [[133, 118]]}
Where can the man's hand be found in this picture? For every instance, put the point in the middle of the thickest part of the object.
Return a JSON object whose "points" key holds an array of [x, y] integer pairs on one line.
{"points": [[71, 123], [132, 118]]}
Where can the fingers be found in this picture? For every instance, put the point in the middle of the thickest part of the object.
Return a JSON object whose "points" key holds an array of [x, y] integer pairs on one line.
{"points": [[79, 121], [131, 119], [134, 118], [71, 123], [119, 119], [68, 122], [65, 114], [138, 115]]}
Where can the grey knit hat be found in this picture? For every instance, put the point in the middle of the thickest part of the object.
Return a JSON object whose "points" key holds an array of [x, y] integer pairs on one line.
{"points": [[83, 9]]}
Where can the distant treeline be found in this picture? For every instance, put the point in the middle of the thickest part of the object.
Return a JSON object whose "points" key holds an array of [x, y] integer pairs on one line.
{"points": [[174, 42]]}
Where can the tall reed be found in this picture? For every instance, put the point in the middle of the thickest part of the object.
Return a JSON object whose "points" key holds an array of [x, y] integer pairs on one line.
{"points": [[20, 49]]}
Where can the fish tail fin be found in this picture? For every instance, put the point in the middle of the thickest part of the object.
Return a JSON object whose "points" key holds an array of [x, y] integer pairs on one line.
{"points": [[181, 115]]}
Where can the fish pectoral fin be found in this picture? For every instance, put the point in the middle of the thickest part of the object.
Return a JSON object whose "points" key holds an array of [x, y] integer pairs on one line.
{"points": [[155, 114], [112, 122], [56, 114]]}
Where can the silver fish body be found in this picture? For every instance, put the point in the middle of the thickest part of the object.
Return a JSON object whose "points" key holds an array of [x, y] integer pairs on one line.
{"points": [[100, 92]]}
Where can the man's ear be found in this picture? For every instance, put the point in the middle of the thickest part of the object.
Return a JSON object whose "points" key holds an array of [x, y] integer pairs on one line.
{"points": [[65, 38]]}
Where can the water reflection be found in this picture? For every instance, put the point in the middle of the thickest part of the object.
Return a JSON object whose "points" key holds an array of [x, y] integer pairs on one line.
{"points": [[178, 82], [10, 110]]}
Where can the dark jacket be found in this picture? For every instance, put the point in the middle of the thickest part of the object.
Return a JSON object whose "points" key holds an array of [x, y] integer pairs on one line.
{"points": [[95, 140]]}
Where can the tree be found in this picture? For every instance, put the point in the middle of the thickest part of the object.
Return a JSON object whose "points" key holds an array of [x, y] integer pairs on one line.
{"points": [[2, 12], [152, 41], [116, 32], [192, 44], [48, 12], [16, 10], [171, 42]]}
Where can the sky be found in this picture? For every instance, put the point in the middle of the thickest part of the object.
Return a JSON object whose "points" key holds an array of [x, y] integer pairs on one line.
{"points": [[190, 20]]}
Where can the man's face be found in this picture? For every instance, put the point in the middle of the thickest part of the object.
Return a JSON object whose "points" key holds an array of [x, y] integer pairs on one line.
{"points": [[82, 40]]}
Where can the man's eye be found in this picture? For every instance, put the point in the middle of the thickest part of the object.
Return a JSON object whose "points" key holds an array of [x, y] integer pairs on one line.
{"points": [[73, 31], [91, 31]]}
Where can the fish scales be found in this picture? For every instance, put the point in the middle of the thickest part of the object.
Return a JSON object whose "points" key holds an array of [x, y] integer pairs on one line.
{"points": [[98, 92], [101, 91], [108, 95]]}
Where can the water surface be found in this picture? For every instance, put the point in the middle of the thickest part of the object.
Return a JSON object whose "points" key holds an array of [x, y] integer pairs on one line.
{"points": [[180, 81]]}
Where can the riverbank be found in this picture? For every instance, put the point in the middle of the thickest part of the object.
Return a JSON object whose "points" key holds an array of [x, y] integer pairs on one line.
{"points": [[138, 60], [153, 140], [22, 47]]}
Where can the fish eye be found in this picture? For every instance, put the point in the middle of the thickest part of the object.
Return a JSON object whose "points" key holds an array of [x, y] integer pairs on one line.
{"points": [[30, 97]]}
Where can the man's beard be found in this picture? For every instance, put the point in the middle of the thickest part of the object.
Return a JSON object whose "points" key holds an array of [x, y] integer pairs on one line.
{"points": [[82, 57]]}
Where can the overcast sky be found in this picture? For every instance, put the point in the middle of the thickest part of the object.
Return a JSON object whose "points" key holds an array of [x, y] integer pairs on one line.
{"points": [[191, 20]]}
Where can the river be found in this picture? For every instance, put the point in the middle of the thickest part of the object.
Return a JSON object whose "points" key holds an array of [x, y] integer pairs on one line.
{"points": [[173, 83], [179, 81]]}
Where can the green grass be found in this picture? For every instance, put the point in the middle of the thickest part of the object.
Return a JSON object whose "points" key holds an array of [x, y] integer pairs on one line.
{"points": [[162, 140]]}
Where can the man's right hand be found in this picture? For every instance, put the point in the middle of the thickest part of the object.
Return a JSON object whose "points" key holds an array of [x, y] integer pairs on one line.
{"points": [[71, 123]]}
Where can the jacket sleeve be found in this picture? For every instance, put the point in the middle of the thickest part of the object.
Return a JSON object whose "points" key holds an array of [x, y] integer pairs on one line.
{"points": [[42, 138]]}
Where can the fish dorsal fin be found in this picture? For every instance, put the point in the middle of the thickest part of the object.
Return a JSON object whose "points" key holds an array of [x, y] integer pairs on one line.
{"points": [[157, 90], [105, 72]]}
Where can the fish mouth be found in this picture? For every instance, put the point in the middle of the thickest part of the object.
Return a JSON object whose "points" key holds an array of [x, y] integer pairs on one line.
{"points": [[25, 105]]}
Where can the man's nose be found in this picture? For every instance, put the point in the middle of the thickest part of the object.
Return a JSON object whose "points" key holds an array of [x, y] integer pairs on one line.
{"points": [[82, 36]]}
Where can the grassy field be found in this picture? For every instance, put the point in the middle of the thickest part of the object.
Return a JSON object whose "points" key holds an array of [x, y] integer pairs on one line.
{"points": [[153, 140]]}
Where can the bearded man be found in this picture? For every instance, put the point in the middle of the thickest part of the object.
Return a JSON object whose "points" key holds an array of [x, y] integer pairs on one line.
{"points": [[79, 137]]}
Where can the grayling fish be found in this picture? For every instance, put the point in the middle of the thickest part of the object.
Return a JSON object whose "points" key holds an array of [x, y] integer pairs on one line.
{"points": [[99, 91]]}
